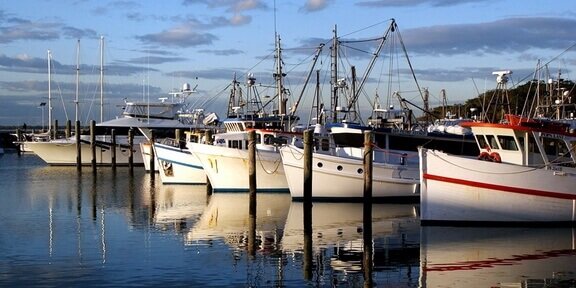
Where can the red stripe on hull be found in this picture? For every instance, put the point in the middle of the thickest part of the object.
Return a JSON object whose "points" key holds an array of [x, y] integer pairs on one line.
{"points": [[500, 187]]}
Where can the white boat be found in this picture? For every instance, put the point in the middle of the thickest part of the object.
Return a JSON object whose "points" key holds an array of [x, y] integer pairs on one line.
{"points": [[226, 161], [526, 172], [340, 176], [497, 257], [177, 165]]}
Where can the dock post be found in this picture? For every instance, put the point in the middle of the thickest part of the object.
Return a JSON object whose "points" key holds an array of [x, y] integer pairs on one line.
{"points": [[252, 191], [131, 150], [68, 130], [55, 132], [78, 146], [177, 135], [113, 135], [367, 210], [152, 156], [93, 143], [307, 205]]}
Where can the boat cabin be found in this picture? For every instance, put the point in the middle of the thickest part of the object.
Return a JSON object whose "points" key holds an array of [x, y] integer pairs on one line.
{"points": [[525, 143], [265, 139]]}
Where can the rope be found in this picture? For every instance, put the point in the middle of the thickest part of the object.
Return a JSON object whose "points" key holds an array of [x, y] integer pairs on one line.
{"points": [[277, 163]]}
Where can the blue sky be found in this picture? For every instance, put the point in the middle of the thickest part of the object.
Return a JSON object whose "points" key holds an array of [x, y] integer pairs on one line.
{"points": [[152, 47]]}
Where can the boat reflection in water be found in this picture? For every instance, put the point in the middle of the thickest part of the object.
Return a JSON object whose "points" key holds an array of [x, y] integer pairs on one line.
{"points": [[178, 207], [497, 257], [227, 218], [337, 241]]}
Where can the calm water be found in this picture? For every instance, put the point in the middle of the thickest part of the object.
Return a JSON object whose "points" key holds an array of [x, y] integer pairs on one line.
{"points": [[62, 228]]}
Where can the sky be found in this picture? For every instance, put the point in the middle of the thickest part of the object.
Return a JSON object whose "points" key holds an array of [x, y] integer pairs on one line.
{"points": [[151, 48]]}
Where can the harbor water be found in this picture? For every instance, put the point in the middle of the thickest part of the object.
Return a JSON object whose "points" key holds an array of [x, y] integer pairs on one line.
{"points": [[113, 228]]}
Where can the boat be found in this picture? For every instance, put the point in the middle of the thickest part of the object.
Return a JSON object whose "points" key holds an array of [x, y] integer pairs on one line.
{"points": [[525, 172], [225, 159], [340, 176], [497, 257], [177, 165]]}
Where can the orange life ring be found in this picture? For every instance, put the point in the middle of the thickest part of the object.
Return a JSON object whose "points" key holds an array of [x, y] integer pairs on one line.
{"points": [[484, 156], [495, 157]]}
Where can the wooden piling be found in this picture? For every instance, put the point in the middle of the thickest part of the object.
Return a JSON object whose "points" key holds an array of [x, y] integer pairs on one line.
{"points": [[19, 139], [68, 131], [252, 191], [208, 140], [113, 147], [368, 262], [78, 146], [131, 149], [93, 143], [55, 134], [307, 205], [177, 135]]}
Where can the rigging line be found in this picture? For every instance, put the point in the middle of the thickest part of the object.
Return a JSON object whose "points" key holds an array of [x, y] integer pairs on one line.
{"points": [[368, 27], [357, 49], [363, 40]]}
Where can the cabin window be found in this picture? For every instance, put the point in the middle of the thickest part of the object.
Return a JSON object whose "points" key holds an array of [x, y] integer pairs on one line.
{"points": [[492, 141], [482, 142], [556, 148], [236, 144], [507, 143], [532, 147], [268, 139], [325, 144]]}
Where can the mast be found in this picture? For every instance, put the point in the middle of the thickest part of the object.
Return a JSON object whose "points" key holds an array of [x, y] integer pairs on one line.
{"points": [[334, 56], [49, 92], [77, 78], [101, 79], [279, 79]]}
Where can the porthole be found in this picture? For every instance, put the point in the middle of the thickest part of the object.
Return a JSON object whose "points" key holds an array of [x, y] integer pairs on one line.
{"points": [[360, 171], [339, 168], [320, 164]]}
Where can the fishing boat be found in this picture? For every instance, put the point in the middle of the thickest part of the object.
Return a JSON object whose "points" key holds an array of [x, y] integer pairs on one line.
{"points": [[226, 159], [525, 172]]}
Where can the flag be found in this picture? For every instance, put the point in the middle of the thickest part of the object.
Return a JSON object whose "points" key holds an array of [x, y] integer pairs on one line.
{"points": [[42, 104]]}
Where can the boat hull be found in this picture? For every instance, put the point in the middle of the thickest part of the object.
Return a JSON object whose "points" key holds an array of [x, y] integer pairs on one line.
{"points": [[455, 188], [227, 168], [178, 165], [63, 153], [341, 178]]}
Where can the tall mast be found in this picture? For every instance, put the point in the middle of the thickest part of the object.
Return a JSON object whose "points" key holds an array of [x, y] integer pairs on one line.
{"points": [[334, 56], [49, 92], [101, 78], [279, 79], [76, 103]]}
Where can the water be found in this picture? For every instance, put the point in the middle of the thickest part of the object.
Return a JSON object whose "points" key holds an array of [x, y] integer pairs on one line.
{"points": [[62, 228]]}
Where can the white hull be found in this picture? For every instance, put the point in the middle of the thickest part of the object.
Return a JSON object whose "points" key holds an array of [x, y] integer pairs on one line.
{"points": [[63, 152], [146, 155], [496, 257], [455, 188], [178, 166], [227, 168], [343, 178]]}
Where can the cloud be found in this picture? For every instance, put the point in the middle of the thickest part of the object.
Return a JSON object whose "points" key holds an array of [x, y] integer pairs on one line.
{"points": [[212, 74], [512, 35], [27, 30], [227, 52], [411, 3], [314, 5], [234, 6], [154, 60], [180, 36]]}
